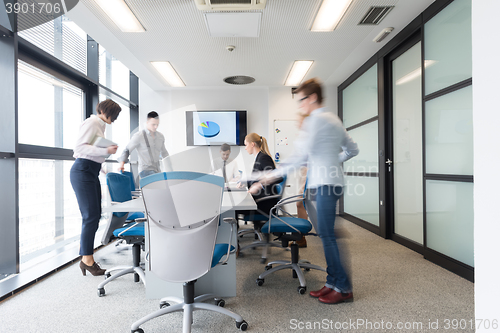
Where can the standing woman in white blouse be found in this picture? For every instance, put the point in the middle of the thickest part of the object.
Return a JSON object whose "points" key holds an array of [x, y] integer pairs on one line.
{"points": [[84, 176]]}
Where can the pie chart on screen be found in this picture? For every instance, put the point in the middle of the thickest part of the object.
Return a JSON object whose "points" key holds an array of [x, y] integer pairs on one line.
{"points": [[208, 129]]}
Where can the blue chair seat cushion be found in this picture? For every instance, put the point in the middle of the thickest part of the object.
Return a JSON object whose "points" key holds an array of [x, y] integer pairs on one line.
{"points": [[303, 225], [135, 231], [219, 251], [135, 215]]}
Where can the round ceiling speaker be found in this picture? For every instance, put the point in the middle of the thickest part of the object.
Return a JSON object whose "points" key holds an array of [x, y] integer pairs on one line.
{"points": [[239, 79]]}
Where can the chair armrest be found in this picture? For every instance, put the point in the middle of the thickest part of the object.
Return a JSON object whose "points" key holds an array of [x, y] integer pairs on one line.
{"points": [[292, 199], [232, 221], [229, 220], [267, 198]]}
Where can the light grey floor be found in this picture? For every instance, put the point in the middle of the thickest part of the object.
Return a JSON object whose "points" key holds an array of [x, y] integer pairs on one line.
{"points": [[392, 286]]}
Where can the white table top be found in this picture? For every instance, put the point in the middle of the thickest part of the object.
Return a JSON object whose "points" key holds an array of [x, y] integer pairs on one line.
{"points": [[234, 200]]}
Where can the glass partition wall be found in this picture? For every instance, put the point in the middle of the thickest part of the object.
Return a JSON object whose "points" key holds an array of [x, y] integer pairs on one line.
{"points": [[409, 108]]}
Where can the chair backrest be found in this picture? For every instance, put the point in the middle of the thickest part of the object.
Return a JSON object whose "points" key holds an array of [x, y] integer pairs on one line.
{"points": [[183, 211], [131, 176], [119, 191], [280, 187], [119, 188]]}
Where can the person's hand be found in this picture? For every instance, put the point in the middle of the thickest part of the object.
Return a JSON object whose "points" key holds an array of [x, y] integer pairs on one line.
{"points": [[112, 149], [255, 188], [239, 185], [121, 167]]}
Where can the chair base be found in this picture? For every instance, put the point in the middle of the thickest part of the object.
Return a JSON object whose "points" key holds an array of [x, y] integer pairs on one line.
{"points": [[188, 306], [123, 270], [295, 264], [265, 244]]}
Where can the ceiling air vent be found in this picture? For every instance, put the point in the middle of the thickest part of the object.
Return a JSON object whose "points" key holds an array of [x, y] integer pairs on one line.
{"points": [[375, 15], [230, 4], [239, 79]]}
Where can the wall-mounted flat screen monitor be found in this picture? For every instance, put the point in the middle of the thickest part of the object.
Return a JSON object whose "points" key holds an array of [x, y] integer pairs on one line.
{"points": [[213, 128]]}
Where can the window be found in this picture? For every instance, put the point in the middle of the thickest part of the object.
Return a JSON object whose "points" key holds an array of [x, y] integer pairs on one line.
{"points": [[113, 74], [61, 38], [50, 110]]}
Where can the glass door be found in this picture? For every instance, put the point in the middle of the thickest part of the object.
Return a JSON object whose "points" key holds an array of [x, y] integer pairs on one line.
{"points": [[404, 165]]}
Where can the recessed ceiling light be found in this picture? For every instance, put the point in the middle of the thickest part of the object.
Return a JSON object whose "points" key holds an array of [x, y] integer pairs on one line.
{"points": [[168, 73], [119, 12], [298, 71], [329, 15]]}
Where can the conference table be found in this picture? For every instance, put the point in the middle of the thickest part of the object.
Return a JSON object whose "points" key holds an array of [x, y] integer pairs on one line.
{"points": [[221, 279]]}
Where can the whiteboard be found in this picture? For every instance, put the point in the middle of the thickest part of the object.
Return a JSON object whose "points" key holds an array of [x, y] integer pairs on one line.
{"points": [[285, 133]]}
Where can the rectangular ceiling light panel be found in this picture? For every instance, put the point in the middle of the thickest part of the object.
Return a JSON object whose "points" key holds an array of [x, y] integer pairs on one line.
{"points": [[330, 14], [298, 72], [233, 24], [168, 73], [119, 12]]}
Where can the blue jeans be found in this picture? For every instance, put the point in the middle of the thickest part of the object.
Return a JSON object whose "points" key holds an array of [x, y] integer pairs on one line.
{"points": [[326, 200], [84, 177], [145, 173]]}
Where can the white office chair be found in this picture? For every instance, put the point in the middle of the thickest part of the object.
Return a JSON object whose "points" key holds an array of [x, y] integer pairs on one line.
{"points": [[183, 211]]}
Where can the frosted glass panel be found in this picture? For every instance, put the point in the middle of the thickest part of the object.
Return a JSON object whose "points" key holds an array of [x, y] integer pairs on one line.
{"points": [[367, 139], [361, 198], [450, 219], [448, 134], [448, 47], [407, 129], [360, 99]]}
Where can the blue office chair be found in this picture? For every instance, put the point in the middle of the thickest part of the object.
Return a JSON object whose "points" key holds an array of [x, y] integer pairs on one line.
{"points": [[259, 218], [289, 228], [128, 227], [133, 189], [183, 210]]}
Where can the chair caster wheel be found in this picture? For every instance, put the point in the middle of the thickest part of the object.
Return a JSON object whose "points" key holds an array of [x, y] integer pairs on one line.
{"points": [[301, 290], [139, 330], [164, 305], [101, 292], [220, 302], [242, 325], [260, 282], [107, 276], [263, 260], [268, 267]]}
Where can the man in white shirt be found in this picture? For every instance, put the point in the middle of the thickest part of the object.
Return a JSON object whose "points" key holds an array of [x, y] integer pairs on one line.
{"points": [[150, 145], [226, 168]]}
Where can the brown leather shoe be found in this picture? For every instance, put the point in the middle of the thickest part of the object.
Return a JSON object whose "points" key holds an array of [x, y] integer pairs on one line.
{"points": [[94, 269], [335, 297], [322, 292]]}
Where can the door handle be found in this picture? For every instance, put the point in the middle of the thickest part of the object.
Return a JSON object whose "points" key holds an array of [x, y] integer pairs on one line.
{"points": [[388, 162]]}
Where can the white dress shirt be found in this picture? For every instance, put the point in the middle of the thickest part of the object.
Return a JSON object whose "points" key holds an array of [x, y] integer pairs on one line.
{"points": [[318, 145], [157, 145], [232, 171], [90, 129]]}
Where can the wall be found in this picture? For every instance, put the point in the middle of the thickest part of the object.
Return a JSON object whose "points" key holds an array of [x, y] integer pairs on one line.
{"points": [[486, 101], [172, 105]]}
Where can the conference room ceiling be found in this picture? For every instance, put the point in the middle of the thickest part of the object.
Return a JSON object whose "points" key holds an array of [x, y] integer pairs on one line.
{"points": [[176, 32]]}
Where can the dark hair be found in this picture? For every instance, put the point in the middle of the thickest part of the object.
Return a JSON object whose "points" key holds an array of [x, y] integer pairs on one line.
{"points": [[311, 86], [153, 114], [109, 108], [225, 147]]}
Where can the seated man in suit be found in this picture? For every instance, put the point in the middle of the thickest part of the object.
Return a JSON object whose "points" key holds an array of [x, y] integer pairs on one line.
{"points": [[225, 167]]}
